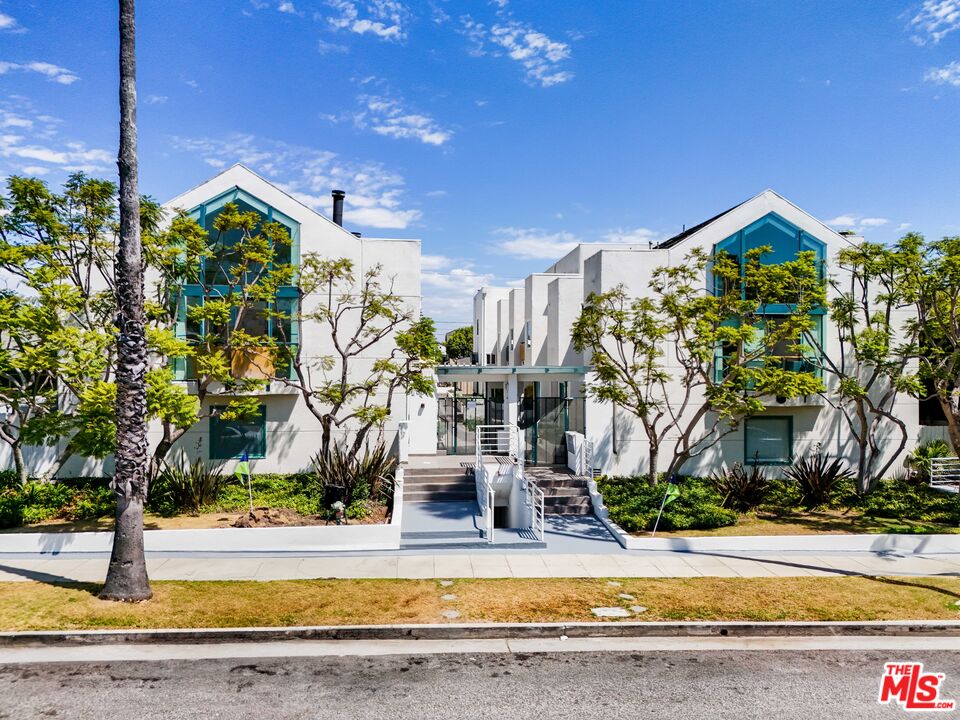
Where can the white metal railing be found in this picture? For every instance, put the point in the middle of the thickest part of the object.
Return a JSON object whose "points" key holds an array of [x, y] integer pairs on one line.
{"points": [[587, 468], [535, 502], [484, 499], [944, 471], [496, 440]]}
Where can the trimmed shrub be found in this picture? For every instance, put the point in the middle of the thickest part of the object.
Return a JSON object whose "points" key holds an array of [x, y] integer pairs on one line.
{"points": [[11, 509], [634, 504], [901, 500]]}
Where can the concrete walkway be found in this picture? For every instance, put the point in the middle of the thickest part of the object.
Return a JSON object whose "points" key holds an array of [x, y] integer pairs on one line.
{"points": [[491, 565]]}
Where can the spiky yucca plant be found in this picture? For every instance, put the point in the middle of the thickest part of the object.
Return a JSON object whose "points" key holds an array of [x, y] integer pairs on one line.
{"points": [[818, 478], [742, 489]]}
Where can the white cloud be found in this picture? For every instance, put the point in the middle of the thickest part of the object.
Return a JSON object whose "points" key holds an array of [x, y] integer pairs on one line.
{"points": [[387, 19], [287, 7], [946, 75], [389, 117], [904, 226], [30, 144], [52, 72], [934, 20], [329, 48], [448, 294], [435, 262], [8, 23], [156, 99], [374, 193], [436, 194], [535, 244], [540, 56], [856, 223], [636, 236]]}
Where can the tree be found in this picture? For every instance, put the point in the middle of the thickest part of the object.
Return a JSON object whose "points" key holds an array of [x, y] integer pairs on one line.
{"points": [[57, 332], [379, 348], [459, 343], [127, 573], [870, 370], [933, 291], [691, 363], [233, 275]]}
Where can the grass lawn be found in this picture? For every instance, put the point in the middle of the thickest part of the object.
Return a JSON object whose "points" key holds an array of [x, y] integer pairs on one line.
{"points": [[36, 606], [812, 523]]}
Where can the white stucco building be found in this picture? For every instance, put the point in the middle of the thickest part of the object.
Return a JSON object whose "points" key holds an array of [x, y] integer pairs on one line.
{"points": [[536, 360], [286, 435]]}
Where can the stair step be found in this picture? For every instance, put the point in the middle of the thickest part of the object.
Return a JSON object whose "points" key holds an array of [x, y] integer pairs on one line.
{"points": [[568, 481], [439, 496], [423, 472], [568, 510], [565, 491], [452, 485], [566, 500], [439, 534]]}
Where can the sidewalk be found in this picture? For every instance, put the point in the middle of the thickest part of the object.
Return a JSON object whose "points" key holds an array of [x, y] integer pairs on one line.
{"points": [[491, 565]]}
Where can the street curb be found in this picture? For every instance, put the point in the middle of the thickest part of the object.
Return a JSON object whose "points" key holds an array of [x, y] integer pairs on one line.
{"points": [[475, 631]]}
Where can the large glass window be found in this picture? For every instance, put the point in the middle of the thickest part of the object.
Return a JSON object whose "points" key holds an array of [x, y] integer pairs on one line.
{"points": [[768, 440], [231, 438]]}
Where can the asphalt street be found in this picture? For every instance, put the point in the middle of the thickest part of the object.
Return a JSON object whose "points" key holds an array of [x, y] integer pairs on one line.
{"points": [[713, 684]]}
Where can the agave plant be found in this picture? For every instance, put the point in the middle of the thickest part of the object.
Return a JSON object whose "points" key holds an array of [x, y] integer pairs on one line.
{"points": [[188, 486], [742, 489], [358, 478], [818, 478]]}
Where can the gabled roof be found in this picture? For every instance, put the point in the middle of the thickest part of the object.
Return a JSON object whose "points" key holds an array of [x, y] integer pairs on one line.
{"points": [[770, 196], [680, 237]]}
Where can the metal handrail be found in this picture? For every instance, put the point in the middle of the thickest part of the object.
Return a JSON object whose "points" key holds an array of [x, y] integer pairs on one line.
{"points": [[944, 471], [535, 500]]}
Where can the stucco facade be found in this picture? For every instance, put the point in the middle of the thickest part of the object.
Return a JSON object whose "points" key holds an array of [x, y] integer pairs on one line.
{"points": [[554, 299]]}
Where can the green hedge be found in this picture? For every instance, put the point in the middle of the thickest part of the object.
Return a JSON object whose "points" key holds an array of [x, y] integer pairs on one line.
{"points": [[68, 499], [634, 503], [900, 500]]}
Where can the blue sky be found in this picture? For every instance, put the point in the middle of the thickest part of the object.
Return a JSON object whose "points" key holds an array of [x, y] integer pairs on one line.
{"points": [[503, 132]]}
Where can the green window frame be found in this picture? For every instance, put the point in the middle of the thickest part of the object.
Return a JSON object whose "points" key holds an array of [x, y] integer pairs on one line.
{"points": [[768, 440], [230, 438]]}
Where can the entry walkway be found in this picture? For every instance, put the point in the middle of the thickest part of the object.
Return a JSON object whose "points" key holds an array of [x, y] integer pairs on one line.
{"points": [[491, 565]]}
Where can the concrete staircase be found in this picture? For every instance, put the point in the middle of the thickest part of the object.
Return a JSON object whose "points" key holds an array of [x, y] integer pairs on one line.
{"points": [[563, 492], [422, 485]]}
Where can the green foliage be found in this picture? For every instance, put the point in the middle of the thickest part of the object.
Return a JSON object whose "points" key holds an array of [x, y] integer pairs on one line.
{"points": [[741, 488], [186, 487], [295, 492], [626, 337], [633, 504], [818, 479], [459, 343], [71, 499], [11, 508], [919, 460], [901, 500], [355, 479]]}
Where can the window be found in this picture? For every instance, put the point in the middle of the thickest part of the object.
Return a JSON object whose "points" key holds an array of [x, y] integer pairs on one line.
{"points": [[230, 438], [768, 440]]}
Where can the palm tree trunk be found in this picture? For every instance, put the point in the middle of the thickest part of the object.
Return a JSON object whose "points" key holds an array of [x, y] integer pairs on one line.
{"points": [[127, 573]]}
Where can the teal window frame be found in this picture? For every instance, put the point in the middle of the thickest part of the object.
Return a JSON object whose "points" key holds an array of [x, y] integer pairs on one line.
{"points": [[736, 245], [750, 458], [285, 294], [217, 425]]}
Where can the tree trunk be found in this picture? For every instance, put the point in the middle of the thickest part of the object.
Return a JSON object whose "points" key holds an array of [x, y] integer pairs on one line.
{"points": [[19, 464], [654, 450], [127, 573]]}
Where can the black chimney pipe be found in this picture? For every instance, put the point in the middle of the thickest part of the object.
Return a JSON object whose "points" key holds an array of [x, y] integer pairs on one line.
{"points": [[338, 196]]}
